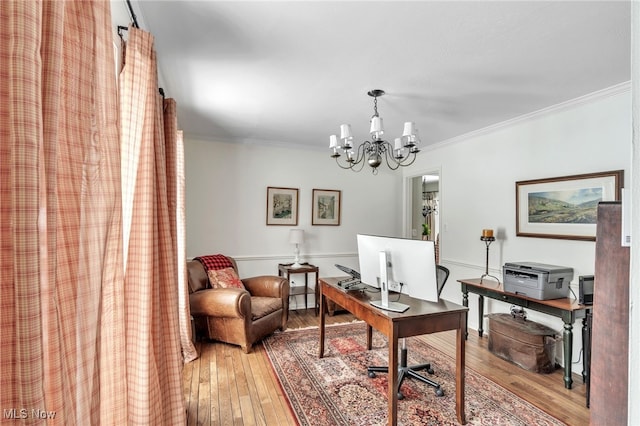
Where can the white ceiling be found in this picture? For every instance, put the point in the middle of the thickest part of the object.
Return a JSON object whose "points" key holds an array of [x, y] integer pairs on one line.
{"points": [[292, 72]]}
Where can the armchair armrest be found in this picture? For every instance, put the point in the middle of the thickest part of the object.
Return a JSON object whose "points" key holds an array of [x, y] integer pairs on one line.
{"points": [[267, 286], [221, 302]]}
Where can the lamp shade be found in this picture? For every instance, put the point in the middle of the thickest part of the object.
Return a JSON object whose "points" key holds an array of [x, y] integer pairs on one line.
{"points": [[376, 126], [296, 236], [333, 141], [409, 128], [345, 131]]}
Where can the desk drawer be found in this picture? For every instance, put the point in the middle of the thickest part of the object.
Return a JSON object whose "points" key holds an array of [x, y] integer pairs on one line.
{"points": [[514, 300]]}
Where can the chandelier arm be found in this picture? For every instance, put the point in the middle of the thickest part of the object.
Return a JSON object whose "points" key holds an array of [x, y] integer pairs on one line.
{"points": [[388, 154], [353, 169], [341, 166], [350, 166], [360, 154], [403, 162], [354, 164]]}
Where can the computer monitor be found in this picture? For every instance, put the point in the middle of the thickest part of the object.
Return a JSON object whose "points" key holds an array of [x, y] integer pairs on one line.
{"points": [[410, 262]]}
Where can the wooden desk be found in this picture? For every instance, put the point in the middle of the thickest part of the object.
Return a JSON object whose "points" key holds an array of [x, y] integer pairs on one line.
{"points": [[286, 270], [421, 318], [567, 309]]}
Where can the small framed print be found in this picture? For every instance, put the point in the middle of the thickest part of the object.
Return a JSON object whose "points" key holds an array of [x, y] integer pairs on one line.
{"points": [[326, 207], [282, 206]]}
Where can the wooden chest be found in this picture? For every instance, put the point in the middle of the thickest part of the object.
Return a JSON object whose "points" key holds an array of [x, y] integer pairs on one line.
{"points": [[527, 344]]}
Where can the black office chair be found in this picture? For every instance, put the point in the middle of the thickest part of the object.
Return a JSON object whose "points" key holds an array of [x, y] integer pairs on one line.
{"points": [[404, 371]]}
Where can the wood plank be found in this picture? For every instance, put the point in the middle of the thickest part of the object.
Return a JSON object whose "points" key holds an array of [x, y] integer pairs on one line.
{"points": [[204, 387], [256, 387], [225, 415], [275, 394], [235, 413], [214, 386], [242, 384], [191, 389]]}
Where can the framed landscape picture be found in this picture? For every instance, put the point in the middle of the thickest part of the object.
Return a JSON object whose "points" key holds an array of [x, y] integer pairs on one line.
{"points": [[282, 206], [564, 207], [326, 207]]}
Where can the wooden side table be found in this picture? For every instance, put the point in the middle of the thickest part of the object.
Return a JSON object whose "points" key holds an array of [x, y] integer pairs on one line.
{"points": [[286, 270]]}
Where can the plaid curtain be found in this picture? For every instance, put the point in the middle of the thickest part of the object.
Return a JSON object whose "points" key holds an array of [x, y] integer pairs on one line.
{"points": [[89, 278], [151, 292]]}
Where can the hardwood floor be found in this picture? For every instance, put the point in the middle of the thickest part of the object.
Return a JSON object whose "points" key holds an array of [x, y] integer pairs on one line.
{"points": [[225, 386]]}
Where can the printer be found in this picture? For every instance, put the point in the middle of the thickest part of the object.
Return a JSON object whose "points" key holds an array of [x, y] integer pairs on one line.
{"points": [[537, 280]]}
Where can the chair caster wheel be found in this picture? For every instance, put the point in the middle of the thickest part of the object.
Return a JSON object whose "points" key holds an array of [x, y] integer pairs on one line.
{"points": [[430, 370], [400, 396], [439, 391], [371, 374]]}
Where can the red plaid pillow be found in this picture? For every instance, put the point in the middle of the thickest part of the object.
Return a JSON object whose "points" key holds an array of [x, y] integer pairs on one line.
{"points": [[214, 261], [225, 278]]}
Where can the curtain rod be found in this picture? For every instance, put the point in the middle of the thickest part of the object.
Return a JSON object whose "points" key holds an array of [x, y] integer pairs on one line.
{"points": [[133, 15]]}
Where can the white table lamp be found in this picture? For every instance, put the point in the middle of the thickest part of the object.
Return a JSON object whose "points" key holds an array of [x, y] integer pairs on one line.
{"points": [[296, 236]]}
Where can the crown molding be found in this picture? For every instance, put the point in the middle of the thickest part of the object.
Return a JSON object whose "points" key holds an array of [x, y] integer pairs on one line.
{"points": [[553, 109]]}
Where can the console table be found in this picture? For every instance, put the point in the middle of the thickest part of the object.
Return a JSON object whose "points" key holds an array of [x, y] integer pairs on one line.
{"points": [[286, 270], [567, 309], [422, 317]]}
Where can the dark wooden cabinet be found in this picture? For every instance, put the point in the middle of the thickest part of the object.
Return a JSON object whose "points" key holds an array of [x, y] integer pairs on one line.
{"points": [[610, 333]]}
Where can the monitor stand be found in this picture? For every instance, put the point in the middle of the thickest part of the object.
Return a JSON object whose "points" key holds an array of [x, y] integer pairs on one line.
{"points": [[384, 303], [390, 306]]}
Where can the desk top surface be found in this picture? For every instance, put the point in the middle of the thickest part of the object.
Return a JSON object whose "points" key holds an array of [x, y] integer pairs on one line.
{"points": [[489, 285], [417, 307]]}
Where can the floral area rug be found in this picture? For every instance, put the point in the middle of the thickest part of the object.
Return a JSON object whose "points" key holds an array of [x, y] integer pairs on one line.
{"points": [[336, 390]]}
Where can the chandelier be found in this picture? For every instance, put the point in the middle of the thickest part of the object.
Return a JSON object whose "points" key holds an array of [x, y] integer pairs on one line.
{"points": [[401, 153], [429, 203]]}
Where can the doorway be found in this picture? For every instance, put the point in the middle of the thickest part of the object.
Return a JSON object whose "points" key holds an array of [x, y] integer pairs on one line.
{"points": [[424, 207]]}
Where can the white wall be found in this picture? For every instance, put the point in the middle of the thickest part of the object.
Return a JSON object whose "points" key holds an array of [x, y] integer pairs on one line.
{"points": [[477, 190], [226, 193]]}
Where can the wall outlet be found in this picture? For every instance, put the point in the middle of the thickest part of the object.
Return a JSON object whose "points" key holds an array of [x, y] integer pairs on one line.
{"points": [[394, 286]]}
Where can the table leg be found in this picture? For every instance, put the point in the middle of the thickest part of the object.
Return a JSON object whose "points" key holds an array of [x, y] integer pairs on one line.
{"points": [[393, 376], [465, 303], [585, 348], [460, 363], [480, 315], [294, 297], [369, 337], [323, 302], [317, 300], [567, 337], [306, 289]]}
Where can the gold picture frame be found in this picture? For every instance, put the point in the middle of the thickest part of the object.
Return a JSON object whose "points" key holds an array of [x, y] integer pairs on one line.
{"points": [[326, 207], [282, 206], [564, 207]]}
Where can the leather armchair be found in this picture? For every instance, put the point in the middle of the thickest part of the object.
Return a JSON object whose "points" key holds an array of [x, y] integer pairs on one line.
{"points": [[237, 316]]}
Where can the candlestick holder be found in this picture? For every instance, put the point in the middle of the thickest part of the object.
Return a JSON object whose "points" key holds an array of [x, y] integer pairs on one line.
{"points": [[487, 242]]}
